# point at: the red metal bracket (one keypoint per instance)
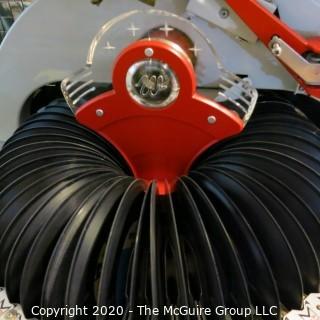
(159, 143)
(266, 25)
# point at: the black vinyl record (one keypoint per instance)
(241, 230)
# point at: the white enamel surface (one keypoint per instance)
(49, 41)
(301, 15)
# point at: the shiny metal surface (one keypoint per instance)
(152, 83)
(307, 71)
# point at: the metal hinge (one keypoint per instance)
(308, 71)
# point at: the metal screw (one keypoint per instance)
(224, 13)
(212, 119)
(276, 49)
(99, 113)
(148, 52)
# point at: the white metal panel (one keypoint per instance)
(301, 15)
(242, 57)
(212, 12)
(50, 41)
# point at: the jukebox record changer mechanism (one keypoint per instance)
(155, 77)
(163, 180)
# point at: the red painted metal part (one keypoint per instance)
(266, 25)
(159, 143)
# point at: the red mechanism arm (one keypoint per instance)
(266, 25)
(158, 143)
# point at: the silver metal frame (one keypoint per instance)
(307, 71)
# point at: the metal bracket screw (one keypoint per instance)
(224, 13)
(99, 113)
(212, 119)
(148, 52)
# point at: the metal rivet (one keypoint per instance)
(276, 49)
(224, 13)
(99, 113)
(212, 119)
(148, 52)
